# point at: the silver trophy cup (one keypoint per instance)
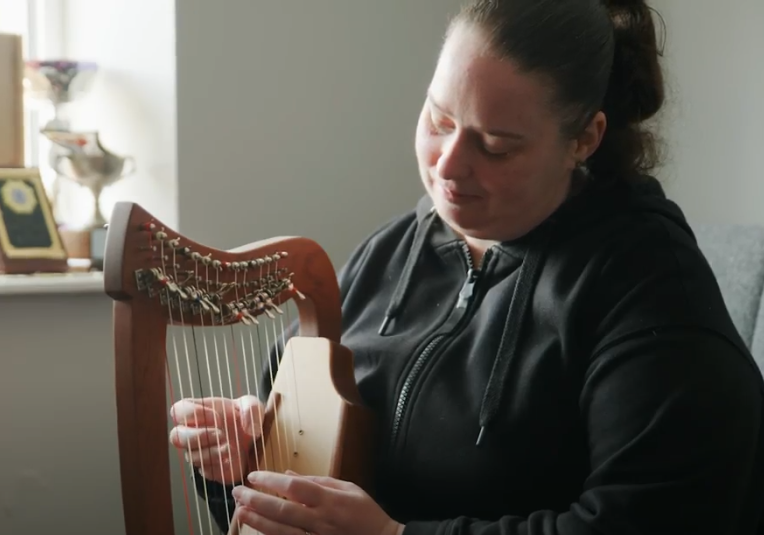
(86, 162)
(82, 159)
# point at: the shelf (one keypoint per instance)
(53, 283)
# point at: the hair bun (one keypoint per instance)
(628, 13)
(636, 80)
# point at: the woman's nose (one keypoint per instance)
(453, 163)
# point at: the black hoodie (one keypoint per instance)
(585, 379)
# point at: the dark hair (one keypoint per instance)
(598, 55)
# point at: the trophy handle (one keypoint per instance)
(55, 161)
(129, 166)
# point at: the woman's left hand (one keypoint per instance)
(313, 505)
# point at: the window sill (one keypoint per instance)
(53, 283)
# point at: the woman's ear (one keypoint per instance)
(589, 140)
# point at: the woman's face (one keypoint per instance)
(488, 144)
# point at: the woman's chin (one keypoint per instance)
(464, 219)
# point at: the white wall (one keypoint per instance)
(715, 116)
(59, 462)
(133, 100)
(299, 117)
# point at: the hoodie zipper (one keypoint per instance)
(466, 294)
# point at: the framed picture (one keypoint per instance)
(29, 238)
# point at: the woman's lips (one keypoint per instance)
(455, 196)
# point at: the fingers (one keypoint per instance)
(216, 463)
(251, 413)
(219, 468)
(204, 446)
(262, 524)
(328, 482)
(245, 412)
(212, 455)
(192, 412)
(263, 509)
(196, 437)
(298, 489)
(228, 405)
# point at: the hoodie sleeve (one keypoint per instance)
(219, 498)
(673, 419)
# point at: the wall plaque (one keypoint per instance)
(29, 238)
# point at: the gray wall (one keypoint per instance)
(299, 117)
(59, 469)
(714, 120)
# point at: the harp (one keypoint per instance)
(191, 321)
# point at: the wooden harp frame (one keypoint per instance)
(136, 277)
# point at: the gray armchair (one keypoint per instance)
(736, 255)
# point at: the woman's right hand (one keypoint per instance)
(217, 435)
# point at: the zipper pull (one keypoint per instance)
(468, 289)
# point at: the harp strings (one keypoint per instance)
(291, 386)
(282, 448)
(182, 396)
(226, 427)
(236, 370)
(275, 335)
(211, 394)
(294, 390)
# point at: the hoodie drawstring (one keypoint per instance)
(401, 291)
(516, 317)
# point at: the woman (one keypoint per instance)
(542, 339)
